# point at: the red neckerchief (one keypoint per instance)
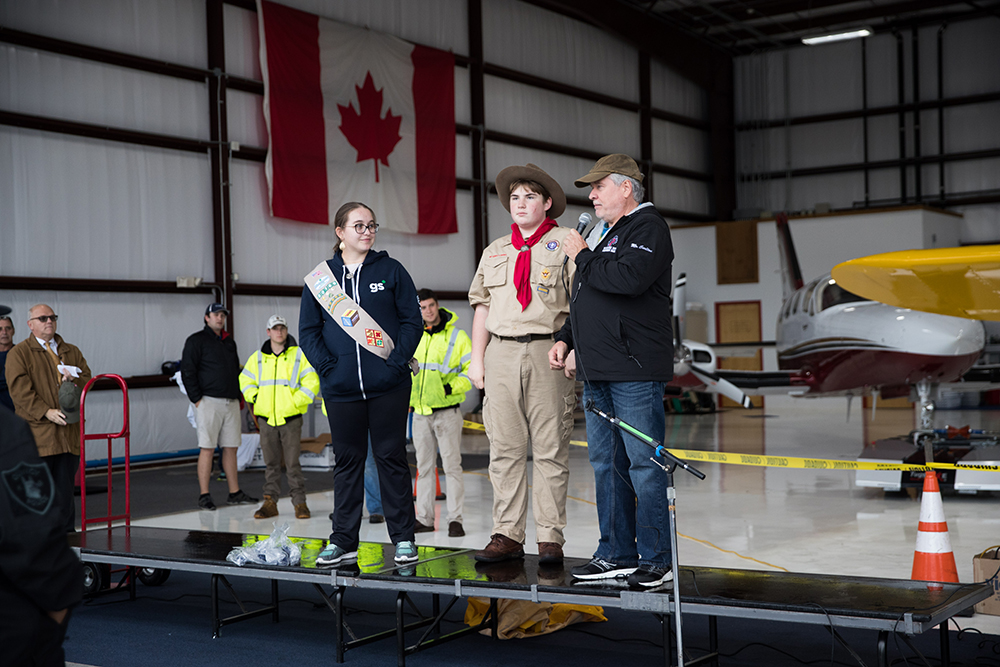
(522, 267)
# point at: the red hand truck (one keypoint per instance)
(97, 576)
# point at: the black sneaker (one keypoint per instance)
(205, 502)
(240, 498)
(649, 576)
(598, 568)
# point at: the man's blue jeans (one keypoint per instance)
(631, 489)
(373, 495)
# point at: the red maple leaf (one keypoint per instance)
(373, 136)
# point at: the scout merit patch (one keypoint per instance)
(350, 317)
(374, 338)
(542, 289)
(546, 274)
(552, 245)
(30, 486)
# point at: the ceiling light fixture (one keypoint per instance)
(837, 36)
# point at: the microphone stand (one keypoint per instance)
(672, 463)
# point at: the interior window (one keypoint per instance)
(808, 298)
(834, 295)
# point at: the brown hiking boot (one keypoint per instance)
(549, 552)
(302, 511)
(268, 509)
(499, 549)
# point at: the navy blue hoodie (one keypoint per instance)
(346, 372)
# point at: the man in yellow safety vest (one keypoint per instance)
(281, 384)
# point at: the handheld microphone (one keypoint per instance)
(585, 219)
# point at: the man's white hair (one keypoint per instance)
(637, 190)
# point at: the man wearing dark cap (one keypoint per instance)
(210, 370)
(519, 302)
(45, 375)
(620, 328)
(40, 577)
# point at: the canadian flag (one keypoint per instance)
(356, 115)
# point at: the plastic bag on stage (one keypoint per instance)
(275, 550)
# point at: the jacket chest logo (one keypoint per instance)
(611, 246)
(30, 486)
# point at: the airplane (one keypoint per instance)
(831, 342)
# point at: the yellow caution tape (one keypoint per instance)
(767, 461)
(476, 426)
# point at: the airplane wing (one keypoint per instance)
(766, 382)
(961, 282)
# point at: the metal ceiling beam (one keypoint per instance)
(685, 53)
(760, 10)
(820, 22)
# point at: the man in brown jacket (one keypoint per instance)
(36, 367)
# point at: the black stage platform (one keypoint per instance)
(885, 606)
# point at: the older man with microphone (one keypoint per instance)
(620, 329)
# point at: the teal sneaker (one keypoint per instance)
(333, 554)
(406, 552)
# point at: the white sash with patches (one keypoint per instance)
(351, 317)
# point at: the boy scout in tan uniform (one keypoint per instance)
(518, 306)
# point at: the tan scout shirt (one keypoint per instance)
(494, 286)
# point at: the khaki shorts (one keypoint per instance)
(218, 422)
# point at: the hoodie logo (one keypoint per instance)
(376, 287)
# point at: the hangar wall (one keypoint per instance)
(871, 122)
(78, 207)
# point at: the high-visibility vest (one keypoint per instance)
(279, 386)
(444, 358)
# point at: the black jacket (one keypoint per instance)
(210, 366)
(346, 372)
(620, 316)
(38, 570)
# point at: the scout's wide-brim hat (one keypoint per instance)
(531, 172)
(616, 163)
(69, 401)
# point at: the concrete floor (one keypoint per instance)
(743, 517)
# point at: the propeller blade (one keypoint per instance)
(722, 386)
(679, 306)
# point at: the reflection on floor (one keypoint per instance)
(815, 521)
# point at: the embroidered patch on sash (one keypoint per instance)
(30, 486)
(374, 338)
(350, 317)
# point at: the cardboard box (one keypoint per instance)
(316, 454)
(985, 566)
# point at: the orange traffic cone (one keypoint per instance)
(933, 559)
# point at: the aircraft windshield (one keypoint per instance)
(834, 295)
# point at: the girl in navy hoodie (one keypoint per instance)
(363, 392)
